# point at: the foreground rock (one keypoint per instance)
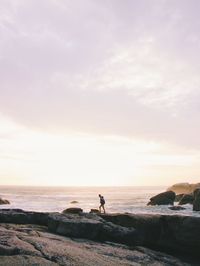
(196, 202)
(34, 245)
(184, 188)
(171, 233)
(165, 198)
(106, 239)
(3, 201)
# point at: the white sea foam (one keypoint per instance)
(118, 199)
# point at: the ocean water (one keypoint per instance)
(56, 199)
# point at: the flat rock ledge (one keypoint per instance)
(34, 238)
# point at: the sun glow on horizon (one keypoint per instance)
(31, 157)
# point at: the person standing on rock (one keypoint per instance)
(102, 203)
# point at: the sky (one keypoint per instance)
(99, 92)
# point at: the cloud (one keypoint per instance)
(128, 69)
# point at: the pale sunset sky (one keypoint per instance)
(99, 92)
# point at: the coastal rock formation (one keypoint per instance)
(184, 188)
(170, 233)
(186, 199)
(73, 210)
(165, 198)
(3, 201)
(196, 202)
(104, 239)
(33, 245)
(92, 227)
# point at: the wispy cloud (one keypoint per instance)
(125, 68)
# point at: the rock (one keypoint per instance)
(73, 210)
(179, 197)
(19, 216)
(196, 202)
(184, 188)
(91, 227)
(94, 211)
(186, 199)
(3, 201)
(47, 249)
(170, 233)
(165, 198)
(176, 208)
(74, 202)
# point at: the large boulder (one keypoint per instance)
(3, 201)
(196, 202)
(165, 198)
(186, 199)
(184, 188)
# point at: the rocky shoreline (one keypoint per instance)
(33, 238)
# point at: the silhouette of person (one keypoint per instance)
(102, 203)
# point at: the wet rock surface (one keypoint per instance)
(90, 239)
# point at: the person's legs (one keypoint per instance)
(100, 208)
(103, 208)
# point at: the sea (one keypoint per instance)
(57, 199)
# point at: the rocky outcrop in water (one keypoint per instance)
(165, 198)
(32, 238)
(196, 202)
(184, 188)
(186, 199)
(3, 201)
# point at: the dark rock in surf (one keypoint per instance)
(186, 199)
(196, 202)
(74, 202)
(165, 198)
(3, 201)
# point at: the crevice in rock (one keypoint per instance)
(36, 247)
